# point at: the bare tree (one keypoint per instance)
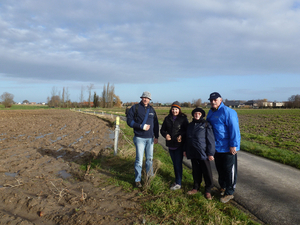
(53, 93)
(104, 96)
(81, 98)
(67, 98)
(54, 101)
(90, 87)
(63, 97)
(197, 103)
(108, 96)
(294, 101)
(7, 99)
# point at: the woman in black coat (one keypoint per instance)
(200, 148)
(173, 130)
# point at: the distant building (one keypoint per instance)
(234, 103)
(278, 104)
(252, 103)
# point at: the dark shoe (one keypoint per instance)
(222, 191)
(192, 192)
(208, 196)
(138, 184)
(226, 198)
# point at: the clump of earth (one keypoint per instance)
(40, 179)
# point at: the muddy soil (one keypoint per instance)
(40, 180)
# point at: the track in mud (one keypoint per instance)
(40, 180)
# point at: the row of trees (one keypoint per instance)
(294, 102)
(108, 98)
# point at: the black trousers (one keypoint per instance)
(202, 168)
(226, 165)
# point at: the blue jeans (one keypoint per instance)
(177, 156)
(143, 145)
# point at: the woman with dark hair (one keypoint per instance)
(173, 130)
(200, 148)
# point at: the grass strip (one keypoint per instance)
(159, 203)
(277, 154)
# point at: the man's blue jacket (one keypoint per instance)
(137, 124)
(225, 124)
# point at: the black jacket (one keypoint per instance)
(174, 129)
(200, 140)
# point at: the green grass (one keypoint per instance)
(283, 156)
(161, 205)
(23, 107)
(277, 131)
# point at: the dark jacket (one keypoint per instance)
(200, 140)
(174, 129)
(137, 123)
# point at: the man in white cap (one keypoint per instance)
(142, 118)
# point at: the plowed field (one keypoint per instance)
(40, 179)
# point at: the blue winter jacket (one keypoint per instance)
(225, 124)
(200, 141)
(137, 124)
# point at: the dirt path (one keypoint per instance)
(40, 179)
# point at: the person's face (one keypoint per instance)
(175, 111)
(215, 103)
(197, 115)
(145, 101)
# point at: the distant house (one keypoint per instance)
(234, 103)
(86, 104)
(278, 104)
(252, 103)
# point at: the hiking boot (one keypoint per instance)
(138, 184)
(192, 192)
(226, 198)
(175, 187)
(208, 196)
(222, 191)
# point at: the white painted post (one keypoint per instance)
(116, 135)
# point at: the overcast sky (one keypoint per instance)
(177, 50)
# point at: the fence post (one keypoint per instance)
(116, 135)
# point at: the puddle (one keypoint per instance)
(59, 149)
(60, 156)
(63, 127)
(111, 134)
(63, 174)
(82, 153)
(38, 137)
(109, 146)
(88, 132)
(11, 174)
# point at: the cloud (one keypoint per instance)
(147, 41)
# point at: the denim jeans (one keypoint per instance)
(177, 156)
(143, 145)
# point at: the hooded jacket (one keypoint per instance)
(200, 141)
